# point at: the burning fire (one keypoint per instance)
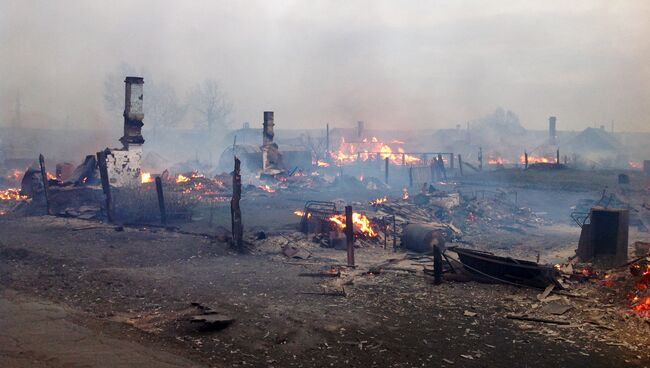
(321, 163)
(377, 201)
(405, 194)
(266, 188)
(146, 177)
(182, 178)
(372, 149)
(51, 176)
(301, 213)
(498, 161)
(15, 175)
(635, 164)
(12, 194)
(360, 223)
(641, 303)
(536, 159)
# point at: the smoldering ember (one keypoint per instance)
(217, 229)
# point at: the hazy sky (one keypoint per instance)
(390, 63)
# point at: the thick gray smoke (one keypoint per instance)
(393, 64)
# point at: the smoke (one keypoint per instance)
(391, 64)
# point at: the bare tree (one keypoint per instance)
(211, 105)
(315, 145)
(162, 107)
(114, 88)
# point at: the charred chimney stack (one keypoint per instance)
(552, 133)
(133, 112)
(271, 157)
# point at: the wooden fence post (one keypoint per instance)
(106, 185)
(349, 234)
(46, 186)
(235, 210)
(161, 201)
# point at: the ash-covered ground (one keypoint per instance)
(87, 293)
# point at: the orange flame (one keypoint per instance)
(301, 213)
(372, 149)
(321, 163)
(12, 194)
(536, 159)
(266, 188)
(405, 194)
(360, 223)
(15, 175)
(498, 161)
(146, 177)
(377, 201)
(635, 164)
(182, 178)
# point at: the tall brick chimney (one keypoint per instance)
(552, 133)
(133, 111)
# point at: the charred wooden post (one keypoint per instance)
(46, 186)
(386, 170)
(403, 159)
(460, 164)
(327, 143)
(441, 166)
(106, 185)
(525, 160)
(423, 238)
(161, 201)
(349, 235)
(552, 133)
(437, 266)
(235, 210)
(557, 157)
(394, 234)
(411, 177)
(480, 158)
(451, 161)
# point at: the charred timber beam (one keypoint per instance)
(46, 186)
(235, 210)
(386, 170)
(161, 201)
(441, 166)
(349, 235)
(327, 143)
(460, 164)
(525, 160)
(106, 186)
